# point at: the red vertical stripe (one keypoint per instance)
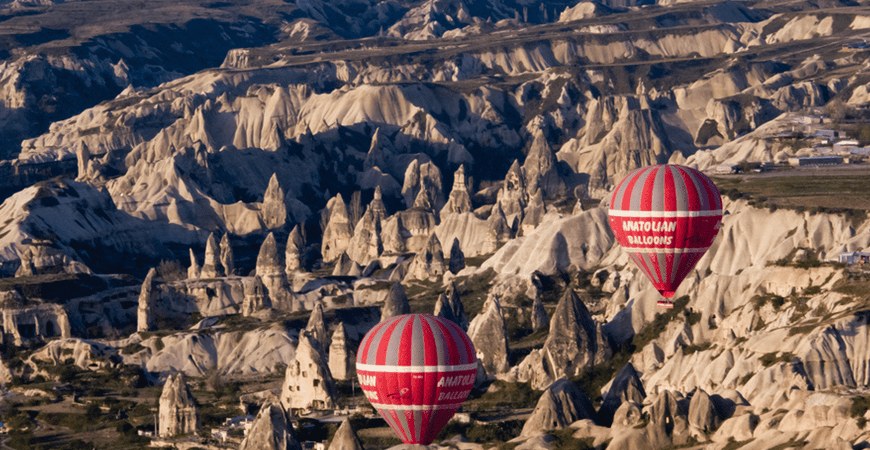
(626, 196)
(381, 356)
(649, 185)
(452, 351)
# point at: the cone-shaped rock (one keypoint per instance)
(499, 228)
(227, 259)
(559, 406)
(626, 387)
(455, 302)
(539, 314)
(540, 168)
(533, 215)
(268, 262)
(293, 252)
(426, 177)
(428, 264)
(274, 209)
(379, 210)
(396, 303)
(513, 195)
(338, 231)
(211, 266)
(488, 332)
(572, 346)
(366, 244)
(193, 270)
(177, 410)
(307, 382)
(346, 267)
(460, 200)
(145, 311)
(668, 420)
(442, 308)
(342, 360)
(271, 430)
(345, 438)
(457, 258)
(317, 326)
(703, 414)
(255, 296)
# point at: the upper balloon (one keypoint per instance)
(665, 217)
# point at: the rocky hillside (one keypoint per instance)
(207, 205)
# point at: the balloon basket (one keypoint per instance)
(665, 304)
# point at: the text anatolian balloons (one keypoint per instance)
(416, 370)
(665, 217)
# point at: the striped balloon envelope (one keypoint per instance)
(416, 370)
(665, 217)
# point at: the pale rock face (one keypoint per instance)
(575, 344)
(193, 270)
(145, 313)
(396, 303)
(424, 177)
(317, 327)
(457, 258)
(704, 417)
(534, 213)
(540, 318)
(308, 384)
(488, 332)
(394, 234)
(513, 196)
(345, 438)
(178, 413)
(417, 226)
(274, 209)
(227, 258)
(429, 263)
(668, 420)
(270, 269)
(293, 252)
(626, 387)
(346, 267)
(561, 404)
(342, 360)
(338, 231)
(540, 169)
(256, 299)
(366, 244)
(44, 320)
(85, 354)
(459, 201)
(271, 430)
(499, 229)
(211, 266)
(449, 306)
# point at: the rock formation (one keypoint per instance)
(626, 387)
(211, 266)
(178, 412)
(255, 296)
(293, 253)
(342, 360)
(338, 231)
(270, 269)
(345, 438)
(316, 327)
(145, 311)
(193, 269)
(668, 420)
(366, 243)
(703, 415)
(457, 258)
(307, 383)
(459, 201)
(449, 306)
(227, 259)
(561, 404)
(274, 208)
(575, 343)
(488, 332)
(540, 168)
(429, 263)
(540, 318)
(424, 177)
(499, 229)
(396, 303)
(271, 430)
(513, 196)
(346, 267)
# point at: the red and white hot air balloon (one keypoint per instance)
(665, 217)
(416, 370)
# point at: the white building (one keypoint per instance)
(850, 258)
